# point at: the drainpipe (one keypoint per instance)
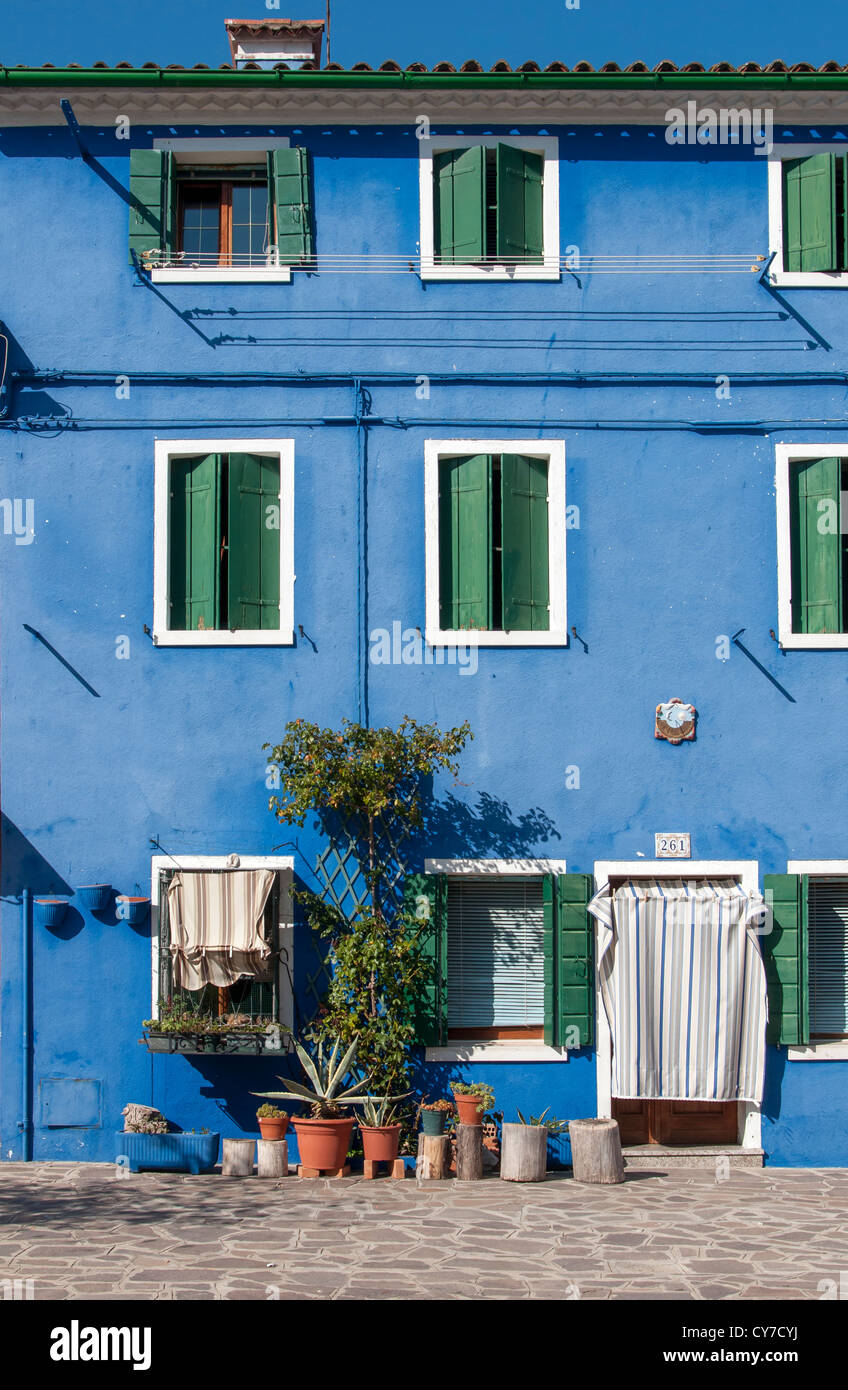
(25, 1124)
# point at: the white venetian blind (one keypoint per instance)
(828, 954)
(495, 952)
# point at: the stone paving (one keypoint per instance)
(80, 1232)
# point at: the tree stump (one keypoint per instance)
(524, 1153)
(272, 1158)
(469, 1152)
(237, 1161)
(432, 1161)
(596, 1151)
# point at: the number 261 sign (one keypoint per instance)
(672, 847)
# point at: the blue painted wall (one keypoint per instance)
(676, 547)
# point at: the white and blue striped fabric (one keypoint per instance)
(684, 989)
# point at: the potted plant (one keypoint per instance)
(434, 1116)
(379, 1129)
(323, 1138)
(149, 1142)
(524, 1151)
(273, 1122)
(472, 1100)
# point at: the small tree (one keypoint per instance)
(370, 782)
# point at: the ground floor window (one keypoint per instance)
(496, 961)
(827, 918)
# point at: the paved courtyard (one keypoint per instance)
(79, 1232)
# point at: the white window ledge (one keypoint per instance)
(490, 1050)
(436, 270)
(809, 279)
(215, 637)
(222, 275)
(477, 637)
(819, 1052)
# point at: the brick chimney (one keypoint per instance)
(270, 41)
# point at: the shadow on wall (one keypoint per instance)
(23, 866)
(17, 400)
(488, 828)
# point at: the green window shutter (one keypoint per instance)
(525, 565)
(816, 546)
(786, 959)
(253, 543)
(809, 212)
(465, 542)
(459, 213)
(151, 202)
(574, 949)
(194, 543)
(425, 897)
(290, 196)
(520, 226)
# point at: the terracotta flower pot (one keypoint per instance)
(466, 1109)
(380, 1142)
(273, 1126)
(323, 1143)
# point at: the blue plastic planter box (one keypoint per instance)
(168, 1153)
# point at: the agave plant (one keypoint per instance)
(326, 1075)
(377, 1116)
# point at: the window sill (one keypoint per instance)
(814, 641)
(819, 1052)
(490, 1050)
(474, 637)
(809, 279)
(430, 270)
(222, 275)
(245, 638)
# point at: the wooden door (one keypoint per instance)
(677, 1122)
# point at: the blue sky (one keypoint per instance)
(191, 31)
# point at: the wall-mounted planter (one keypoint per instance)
(214, 1044)
(50, 912)
(168, 1153)
(95, 896)
(132, 910)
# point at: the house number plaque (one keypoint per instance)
(672, 847)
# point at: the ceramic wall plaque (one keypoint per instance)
(675, 721)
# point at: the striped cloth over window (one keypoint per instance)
(216, 926)
(684, 989)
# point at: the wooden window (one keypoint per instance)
(827, 931)
(488, 206)
(493, 543)
(511, 958)
(818, 545)
(224, 542)
(815, 226)
(256, 998)
(225, 216)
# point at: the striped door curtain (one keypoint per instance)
(216, 926)
(684, 989)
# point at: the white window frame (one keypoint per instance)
(281, 864)
(545, 145)
(748, 875)
(786, 455)
(819, 1051)
(493, 1049)
(553, 451)
(163, 636)
(777, 274)
(186, 150)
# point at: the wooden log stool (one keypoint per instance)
(237, 1160)
(524, 1153)
(272, 1158)
(469, 1153)
(433, 1152)
(596, 1151)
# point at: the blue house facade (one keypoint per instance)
(515, 397)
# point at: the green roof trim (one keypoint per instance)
(834, 79)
